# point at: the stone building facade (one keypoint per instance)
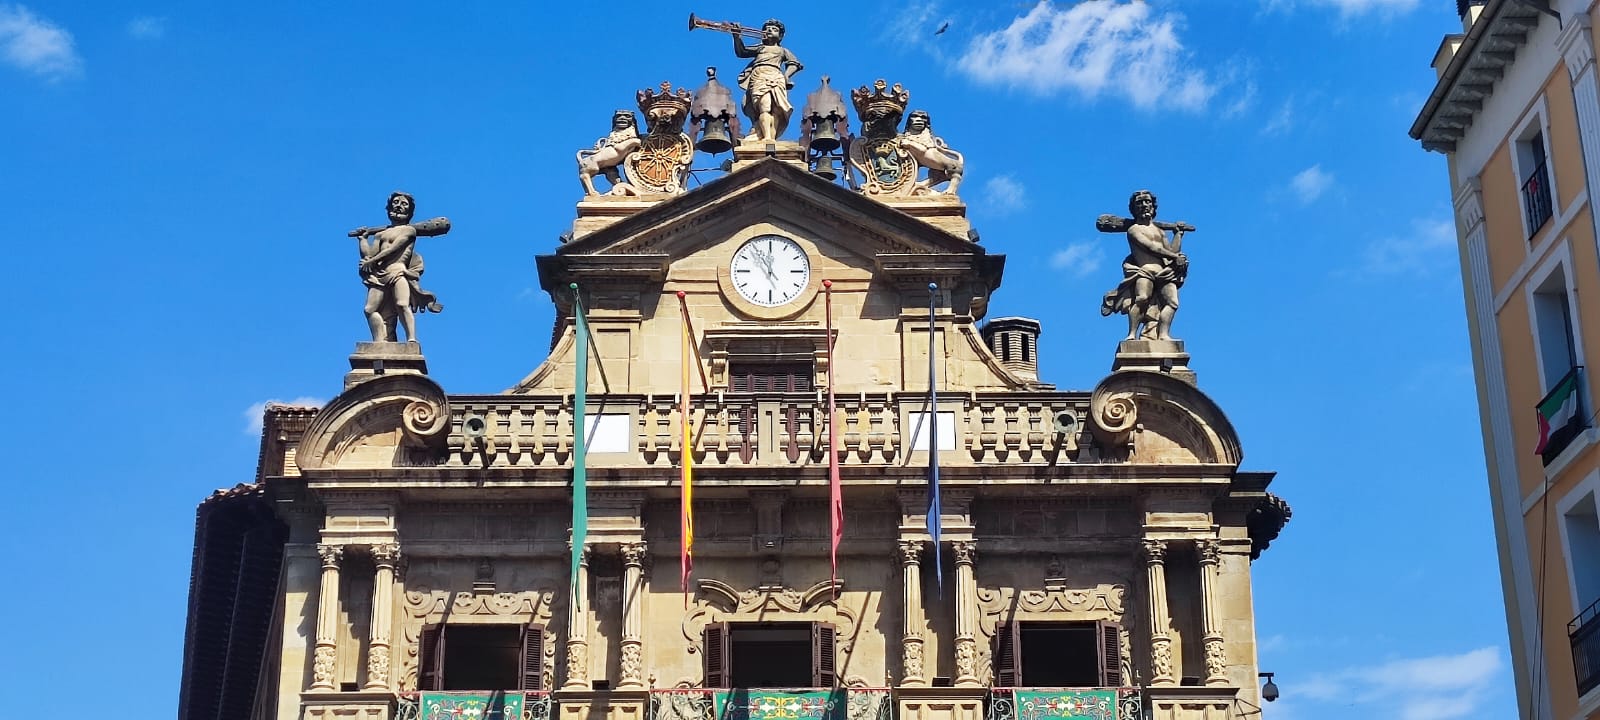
(1095, 545)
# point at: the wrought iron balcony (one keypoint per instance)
(1584, 631)
(1561, 436)
(1536, 199)
(1046, 703)
(481, 705)
(772, 704)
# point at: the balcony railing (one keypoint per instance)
(1536, 199)
(1047, 703)
(775, 429)
(772, 704)
(1584, 631)
(479, 705)
(1561, 436)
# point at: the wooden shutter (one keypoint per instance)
(716, 655)
(1008, 655)
(1110, 654)
(824, 663)
(430, 658)
(532, 659)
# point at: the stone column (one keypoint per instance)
(1155, 553)
(910, 554)
(1216, 657)
(325, 659)
(633, 556)
(384, 557)
(578, 629)
(966, 613)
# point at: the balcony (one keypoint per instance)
(766, 429)
(772, 704)
(1041, 703)
(479, 705)
(1564, 430)
(1584, 631)
(1536, 203)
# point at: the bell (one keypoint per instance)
(824, 138)
(822, 166)
(714, 137)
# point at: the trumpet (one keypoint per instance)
(727, 27)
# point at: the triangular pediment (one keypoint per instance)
(770, 191)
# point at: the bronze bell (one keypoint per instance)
(822, 166)
(824, 137)
(714, 137)
(714, 115)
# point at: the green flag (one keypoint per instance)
(580, 479)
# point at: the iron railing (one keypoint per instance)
(1584, 631)
(535, 705)
(772, 703)
(1561, 436)
(1045, 703)
(1536, 199)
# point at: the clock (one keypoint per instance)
(770, 271)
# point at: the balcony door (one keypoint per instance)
(769, 655)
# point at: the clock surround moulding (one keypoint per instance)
(794, 307)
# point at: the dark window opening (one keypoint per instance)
(1537, 204)
(480, 657)
(769, 377)
(769, 655)
(1058, 654)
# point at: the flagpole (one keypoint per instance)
(835, 490)
(580, 470)
(935, 512)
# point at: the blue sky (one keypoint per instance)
(177, 179)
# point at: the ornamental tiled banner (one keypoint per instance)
(1052, 704)
(498, 705)
(759, 704)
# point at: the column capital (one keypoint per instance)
(966, 551)
(331, 555)
(386, 554)
(909, 552)
(1210, 550)
(1577, 45)
(1155, 551)
(634, 553)
(1469, 205)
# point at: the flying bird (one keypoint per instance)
(942, 28)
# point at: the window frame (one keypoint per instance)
(432, 648)
(1007, 650)
(717, 652)
(1535, 122)
(1559, 260)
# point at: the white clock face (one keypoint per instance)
(770, 270)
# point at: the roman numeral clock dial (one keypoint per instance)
(770, 270)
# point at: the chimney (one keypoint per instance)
(1469, 10)
(1015, 340)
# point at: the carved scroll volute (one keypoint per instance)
(425, 423)
(1113, 416)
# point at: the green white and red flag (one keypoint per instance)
(1557, 409)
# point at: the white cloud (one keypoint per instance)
(1079, 258)
(1440, 687)
(147, 28)
(1348, 8)
(1092, 48)
(1310, 183)
(36, 45)
(1422, 250)
(256, 413)
(1003, 194)
(1282, 120)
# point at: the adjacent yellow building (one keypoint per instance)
(1516, 113)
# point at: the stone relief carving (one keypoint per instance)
(1161, 658)
(1143, 416)
(1216, 660)
(717, 601)
(966, 657)
(930, 151)
(660, 165)
(378, 663)
(885, 166)
(1101, 602)
(425, 606)
(632, 663)
(608, 154)
(911, 658)
(322, 666)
